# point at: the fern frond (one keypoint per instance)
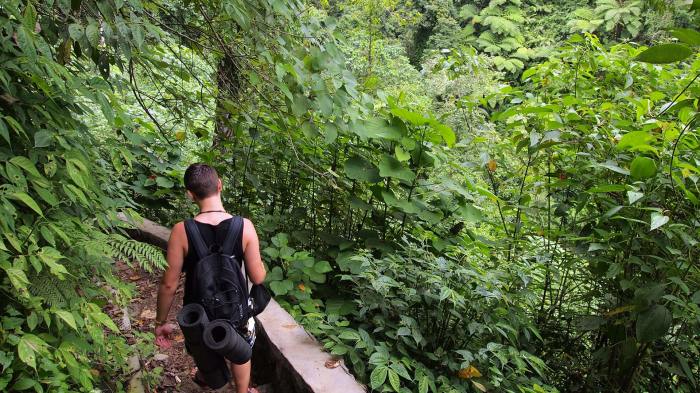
(468, 11)
(115, 246)
(149, 257)
(55, 292)
(501, 25)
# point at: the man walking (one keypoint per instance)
(204, 188)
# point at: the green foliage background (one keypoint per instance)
(453, 196)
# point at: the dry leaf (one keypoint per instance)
(290, 326)
(301, 287)
(148, 314)
(178, 338)
(479, 386)
(332, 363)
(134, 278)
(491, 165)
(469, 372)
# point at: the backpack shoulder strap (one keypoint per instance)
(193, 233)
(233, 235)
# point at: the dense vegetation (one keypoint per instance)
(453, 196)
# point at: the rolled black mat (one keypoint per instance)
(222, 338)
(212, 366)
(192, 320)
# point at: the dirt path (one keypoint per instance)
(176, 364)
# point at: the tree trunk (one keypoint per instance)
(228, 81)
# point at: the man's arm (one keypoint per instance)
(171, 277)
(251, 254)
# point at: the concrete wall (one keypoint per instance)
(285, 355)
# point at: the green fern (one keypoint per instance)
(55, 292)
(116, 246)
(149, 257)
(500, 25)
(508, 64)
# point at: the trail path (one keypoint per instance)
(177, 365)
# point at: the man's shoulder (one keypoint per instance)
(178, 227)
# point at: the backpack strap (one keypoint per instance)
(193, 233)
(233, 236)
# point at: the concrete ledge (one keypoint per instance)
(285, 355)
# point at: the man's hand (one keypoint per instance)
(163, 335)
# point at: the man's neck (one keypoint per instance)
(212, 203)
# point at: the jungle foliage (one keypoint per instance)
(452, 196)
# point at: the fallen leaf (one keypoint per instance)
(479, 386)
(148, 314)
(179, 338)
(290, 326)
(301, 287)
(134, 278)
(332, 363)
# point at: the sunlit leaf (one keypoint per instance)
(642, 168)
(657, 220)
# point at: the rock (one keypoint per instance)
(160, 357)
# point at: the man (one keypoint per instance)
(204, 188)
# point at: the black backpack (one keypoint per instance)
(219, 283)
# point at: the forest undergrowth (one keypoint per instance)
(453, 196)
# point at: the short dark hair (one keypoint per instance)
(201, 180)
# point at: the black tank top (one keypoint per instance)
(212, 234)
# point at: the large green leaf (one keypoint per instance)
(665, 53)
(27, 348)
(394, 380)
(635, 140)
(17, 278)
(378, 376)
(642, 168)
(377, 128)
(688, 36)
(391, 167)
(470, 213)
(445, 132)
(281, 287)
(408, 116)
(26, 164)
(27, 200)
(357, 168)
(653, 323)
(67, 317)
